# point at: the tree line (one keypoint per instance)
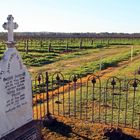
(27, 35)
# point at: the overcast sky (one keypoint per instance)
(73, 15)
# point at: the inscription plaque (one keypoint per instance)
(30, 131)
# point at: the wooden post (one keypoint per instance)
(81, 42)
(41, 43)
(27, 46)
(49, 47)
(67, 47)
(92, 42)
(132, 48)
(100, 62)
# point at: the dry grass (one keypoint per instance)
(68, 128)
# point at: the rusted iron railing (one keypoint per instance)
(109, 100)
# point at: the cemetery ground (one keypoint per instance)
(86, 61)
(68, 128)
(113, 60)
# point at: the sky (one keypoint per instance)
(73, 15)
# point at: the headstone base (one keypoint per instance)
(30, 131)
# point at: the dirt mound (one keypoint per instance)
(117, 134)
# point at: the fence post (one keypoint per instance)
(75, 80)
(81, 44)
(67, 47)
(27, 46)
(49, 47)
(134, 96)
(47, 94)
(49, 119)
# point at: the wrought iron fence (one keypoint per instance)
(109, 100)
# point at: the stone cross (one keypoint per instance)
(10, 26)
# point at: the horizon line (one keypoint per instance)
(71, 32)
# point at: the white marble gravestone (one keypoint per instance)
(15, 87)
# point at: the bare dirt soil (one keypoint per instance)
(69, 128)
